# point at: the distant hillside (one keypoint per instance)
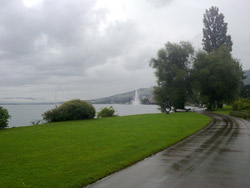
(143, 93)
(247, 80)
(125, 98)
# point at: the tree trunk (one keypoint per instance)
(210, 106)
(220, 104)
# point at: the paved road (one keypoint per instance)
(218, 156)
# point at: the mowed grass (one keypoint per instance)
(76, 153)
(225, 110)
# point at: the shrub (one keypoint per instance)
(106, 112)
(36, 122)
(4, 117)
(242, 104)
(71, 110)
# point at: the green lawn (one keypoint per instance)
(73, 154)
(225, 110)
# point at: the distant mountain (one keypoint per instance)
(247, 80)
(125, 98)
(145, 94)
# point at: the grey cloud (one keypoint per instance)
(60, 45)
(57, 43)
(159, 3)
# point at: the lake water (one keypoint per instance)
(23, 115)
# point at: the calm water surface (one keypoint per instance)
(23, 115)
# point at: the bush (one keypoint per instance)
(4, 117)
(36, 122)
(242, 104)
(71, 110)
(106, 112)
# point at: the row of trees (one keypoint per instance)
(210, 76)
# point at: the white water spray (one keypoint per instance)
(136, 100)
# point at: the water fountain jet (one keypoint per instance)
(136, 100)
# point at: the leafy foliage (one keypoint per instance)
(215, 31)
(4, 117)
(217, 76)
(71, 110)
(106, 112)
(36, 122)
(241, 108)
(172, 70)
(241, 104)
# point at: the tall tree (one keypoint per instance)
(218, 77)
(215, 31)
(172, 72)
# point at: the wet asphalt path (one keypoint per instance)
(217, 156)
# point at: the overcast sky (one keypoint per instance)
(90, 49)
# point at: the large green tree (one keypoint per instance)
(218, 77)
(215, 31)
(172, 71)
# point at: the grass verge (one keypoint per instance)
(76, 153)
(240, 114)
(225, 110)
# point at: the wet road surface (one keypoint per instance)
(217, 156)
